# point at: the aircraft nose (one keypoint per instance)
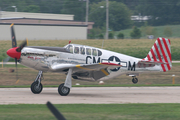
(13, 53)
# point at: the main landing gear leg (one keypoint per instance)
(64, 88)
(36, 86)
(134, 80)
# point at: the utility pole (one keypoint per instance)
(87, 11)
(107, 18)
(0, 14)
(107, 21)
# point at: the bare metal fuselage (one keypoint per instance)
(44, 58)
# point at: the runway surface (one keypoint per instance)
(92, 95)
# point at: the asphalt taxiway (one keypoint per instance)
(92, 95)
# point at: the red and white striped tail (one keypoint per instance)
(161, 52)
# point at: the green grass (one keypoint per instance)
(92, 112)
(159, 31)
(133, 47)
(12, 65)
(27, 76)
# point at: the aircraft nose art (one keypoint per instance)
(13, 53)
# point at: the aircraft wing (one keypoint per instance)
(97, 66)
(84, 67)
(95, 71)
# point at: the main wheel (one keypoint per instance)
(134, 80)
(35, 88)
(62, 90)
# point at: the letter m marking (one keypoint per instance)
(132, 68)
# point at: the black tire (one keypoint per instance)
(75, 77)
(62, 90)
(35, 89)
(134, 80)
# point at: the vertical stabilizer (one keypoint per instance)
(161, 52)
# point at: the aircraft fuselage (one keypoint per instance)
(42, 58)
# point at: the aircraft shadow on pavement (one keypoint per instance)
(83, 94)
(72, 94)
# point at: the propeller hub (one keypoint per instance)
(13, 53)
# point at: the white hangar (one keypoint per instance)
(41, 26)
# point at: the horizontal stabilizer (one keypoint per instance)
(152, 62)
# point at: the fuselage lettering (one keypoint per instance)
(132, 68)
(89, 60)
(94, 60)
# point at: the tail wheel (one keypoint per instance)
(35, 88)
(134, 80)
(62, 90)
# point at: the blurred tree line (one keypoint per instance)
(160, 12)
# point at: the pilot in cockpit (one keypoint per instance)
(82, 50)
(76, 50)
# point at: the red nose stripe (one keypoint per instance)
(13, 53)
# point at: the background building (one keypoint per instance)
(41, 26)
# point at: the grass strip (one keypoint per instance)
(159, 111)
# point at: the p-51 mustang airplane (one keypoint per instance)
(87, 63)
